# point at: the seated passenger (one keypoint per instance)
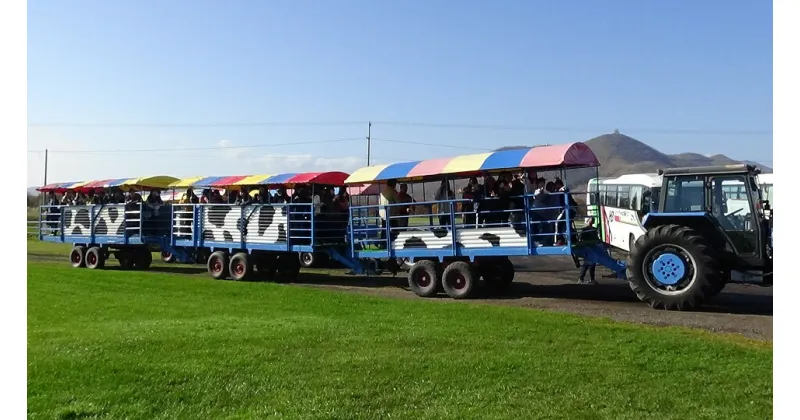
(190, 197)
(216, 198)
(488, 203)
(233, 197)
(118, 197)
(80, 199)
(281, 196)
(244, 197)
(404, 211)
(263, 195)
(66, 199)
(93, 198)
(472, 191)
(133, 197)
(539, 213)
(442, 194)
(154, 198)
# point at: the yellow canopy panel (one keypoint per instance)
(159, 181)
(253, 179)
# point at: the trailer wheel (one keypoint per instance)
(77, 256)
(167, 257)
(498, 275)
(307, 259)
(218, 265)
(458, 280)
(288, 267)
(672, 267)
(424, 279)
(126, 259)
(142, 259)
(240, 266)
(266, 266)
(95, 258)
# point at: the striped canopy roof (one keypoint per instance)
(156, 182)
(572, 155)
(56, 187)
(252, 179)
(227, 181)
(326, 178)
(195, 181)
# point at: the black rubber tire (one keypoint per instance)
(428, 272)
(167, 257)
(77, 257)
(307, 259)
(240, 266)
(217, 265)
(631, 242)
(266, 266)
(458, 280)
(126, 259)
(142, 259)
(497, 275)
(287, 268)
(95, 258)
(706, 271)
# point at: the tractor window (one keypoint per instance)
(734, 212)
(684, 194)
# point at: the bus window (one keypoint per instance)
(624, 196)
(611, 196)
(636, 197)
(766, 192)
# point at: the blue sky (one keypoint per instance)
(679, 75)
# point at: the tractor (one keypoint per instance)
(708, 226)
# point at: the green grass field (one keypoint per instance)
(149, 345)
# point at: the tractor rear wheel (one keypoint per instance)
(673, 267)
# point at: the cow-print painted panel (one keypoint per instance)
(220, 223)
(109, 220)
(466, 238)
(267, 224)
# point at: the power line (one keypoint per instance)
(188, 124)
(185, 149)
(419, 124)
(432, 144)
(572, 129)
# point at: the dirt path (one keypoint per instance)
(549, 283)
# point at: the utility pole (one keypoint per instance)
(45, 167)
(41, 196)
(369, 140)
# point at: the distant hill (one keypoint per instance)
(620, 154)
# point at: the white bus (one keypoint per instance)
(621, 203)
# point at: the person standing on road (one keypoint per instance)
(588, 234)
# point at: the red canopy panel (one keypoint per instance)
(325, 178)
(573, 154)
(228, 181)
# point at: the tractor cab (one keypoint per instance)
(722, 202)
(708, 227)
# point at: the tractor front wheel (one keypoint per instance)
(672, 267)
